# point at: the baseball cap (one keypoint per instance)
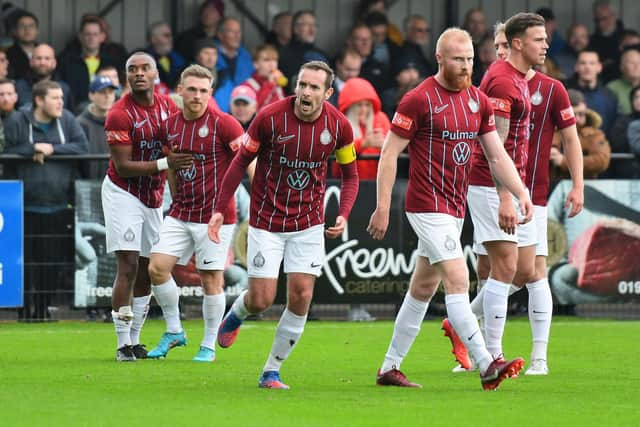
(244, 93)
(101, 82)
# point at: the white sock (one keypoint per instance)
(476, 304)
(495, 314)
(167, 297)
(405, 331)
(288, 333)
(540, 313)
(212, 312)
(140, 310)
(466, 326)
(238, 306)
(122, 323)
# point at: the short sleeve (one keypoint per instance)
(117, 127)
(488, 121)
(407, 117)
(502, 94)
(232, 132)
(561, 110)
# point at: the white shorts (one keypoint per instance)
(130, 225)
(483, 205)
(181, 239)
(542, 248)
(303, 252)
(438, 235)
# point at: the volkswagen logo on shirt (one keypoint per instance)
(188, 174)
(461, 153)
(298, 179)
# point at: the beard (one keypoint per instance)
(459, 81)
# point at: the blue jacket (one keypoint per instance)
(227, 81)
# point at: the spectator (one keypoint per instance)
(111, 72)
(578, 39)
(234, 61)
(417, 32)
(43, 66)
(554, 39)
(598, 98)
(360, 103)
(8, 98)
(595, 147)
(485, 56)
(4, 64)
(37, 133)
(267, 81)
(348, 64)
(475, 22)
(630, 69)
(280, 34)
(407, 77)
(25, 36)
(206, 55)
(377, 73)
(209, 16)
(606, 38)
(244, 105)
(365, 7)
(302, 46)
(102, 94)
(170, 62)
(80, 61)
(622, 134)
(384, 50)
(116, 51)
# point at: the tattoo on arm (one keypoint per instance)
(502, 127)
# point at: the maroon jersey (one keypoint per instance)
(508, 93)
(550, 110)
(131, 124)
(443, 127)
(213, 140)
(287, 193)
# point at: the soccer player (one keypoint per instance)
(132, 196)
(493, 211)
(212, 137)
(292, 140)
(440, 122)
(550, 110)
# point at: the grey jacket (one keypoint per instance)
(93, 128)
(50, 185)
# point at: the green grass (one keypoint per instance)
(64, 374)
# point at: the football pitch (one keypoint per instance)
(65, 374)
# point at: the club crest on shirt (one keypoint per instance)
(258, 260)
(536, 98)
(325, 137)
(203, 131)
(450, 244)
(473, 105)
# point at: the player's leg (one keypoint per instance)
(124, 216)
(423, 285)
(455, 279)
(210, 260)
(174, 244)
(303, 259)
(540, 314)
(265, 251)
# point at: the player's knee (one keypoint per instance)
(157, 273)
(504, 270)
(259, 303)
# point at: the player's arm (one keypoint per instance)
(173, 183)
(507, 215)
(346, 158)
(572, 150)
(504, 170)
(387, 169)
(128, 168)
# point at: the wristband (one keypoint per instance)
(162, 164)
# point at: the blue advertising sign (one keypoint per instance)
(11, 244)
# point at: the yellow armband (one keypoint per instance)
(346, 154)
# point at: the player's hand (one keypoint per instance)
(526, 208)
(178, 161)
(336, 230)
(507, 216)
(575, 199)
(378, 224)
(214, 227)
(44, 148)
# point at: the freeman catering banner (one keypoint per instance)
(592, 258)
